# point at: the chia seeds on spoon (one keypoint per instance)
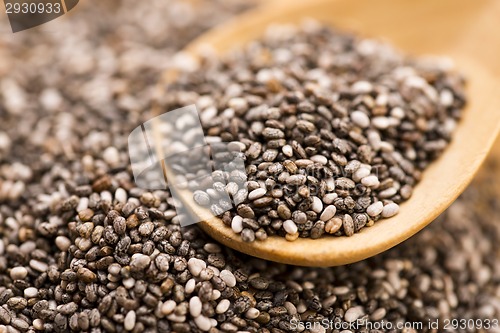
(325, 120)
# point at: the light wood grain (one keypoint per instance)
(466, 31)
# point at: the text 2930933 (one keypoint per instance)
(33, 8)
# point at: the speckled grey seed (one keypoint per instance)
(139, 262)
(247, 235)
(348, 225)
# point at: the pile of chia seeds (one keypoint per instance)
(336, 130)
(84, 250)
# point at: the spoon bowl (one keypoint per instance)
(460, 29)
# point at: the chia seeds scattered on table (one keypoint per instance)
(165, 278)
(335, 130)
(83, 249)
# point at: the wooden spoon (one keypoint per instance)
(464, 30)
